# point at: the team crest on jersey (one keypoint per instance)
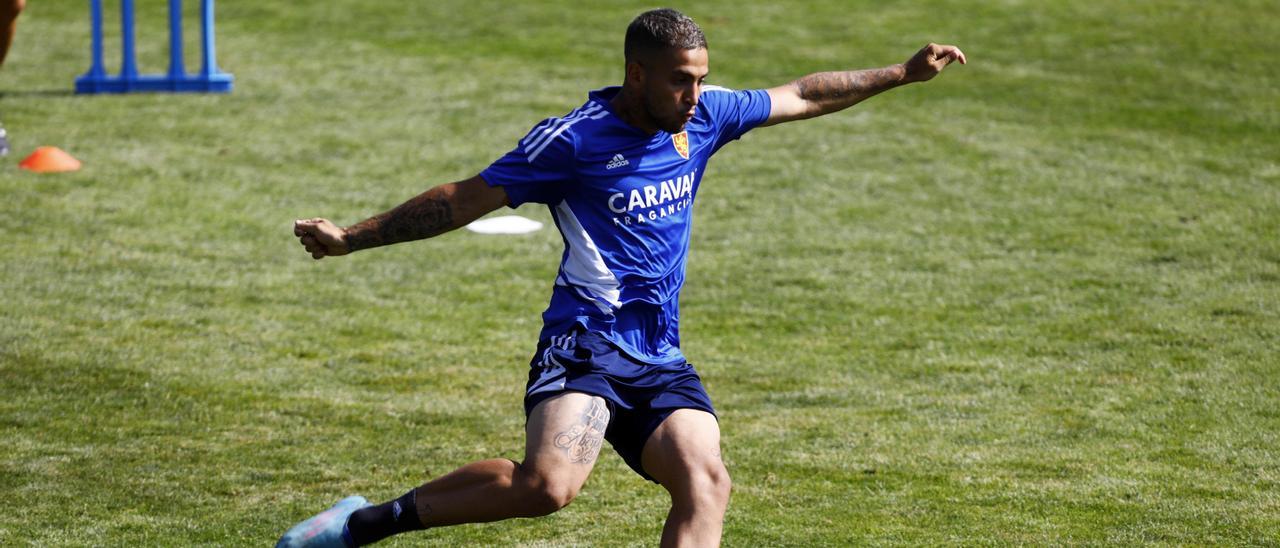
(681, 142)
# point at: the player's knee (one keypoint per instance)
(549, 498)
(706, 485)
(545, 495)
(718, 483)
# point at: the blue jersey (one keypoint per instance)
(623, 201)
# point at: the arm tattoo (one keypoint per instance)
(836, 90)
(582, 442)
(422, 217)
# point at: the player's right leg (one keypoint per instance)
(564, 435)
(683, 454)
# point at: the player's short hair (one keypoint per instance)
(658, 30)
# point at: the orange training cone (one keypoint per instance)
(49, 160)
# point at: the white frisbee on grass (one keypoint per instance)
(506, 224)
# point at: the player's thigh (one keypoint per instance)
(564, 435)
(684, 450)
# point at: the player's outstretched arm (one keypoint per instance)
(827, 92)
(431, 213)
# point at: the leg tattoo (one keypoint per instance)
(582, 441)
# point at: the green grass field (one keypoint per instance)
(1035, 301)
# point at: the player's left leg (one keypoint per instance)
(563, 439)
(683, 454)
(9, 10)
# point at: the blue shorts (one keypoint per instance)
(640, 395)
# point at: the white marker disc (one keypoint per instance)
(507, 224)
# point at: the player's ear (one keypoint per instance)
(635, 73)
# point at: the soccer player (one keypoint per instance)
(620, 175)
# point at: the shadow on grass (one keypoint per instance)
(38, 93)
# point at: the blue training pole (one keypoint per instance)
(208, 80)
(128, 61)
(208, 63)
(96, 69)
(176, 70)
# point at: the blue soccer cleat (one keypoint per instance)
(326, 529)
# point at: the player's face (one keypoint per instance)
(673, 82)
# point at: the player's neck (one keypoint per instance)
(630, 109)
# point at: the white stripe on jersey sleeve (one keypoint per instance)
(556, 128)
(711, 87)
(538, 151)
(533, 133)
(551, 125)
(584, 266)
(552, 139)
(545, 127)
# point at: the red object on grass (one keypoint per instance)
(49, 160)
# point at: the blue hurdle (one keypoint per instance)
(208, 80)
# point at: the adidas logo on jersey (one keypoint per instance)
(616, 162)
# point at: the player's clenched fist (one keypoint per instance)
(930, 60)
(321, 238)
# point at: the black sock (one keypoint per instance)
(372, 524)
